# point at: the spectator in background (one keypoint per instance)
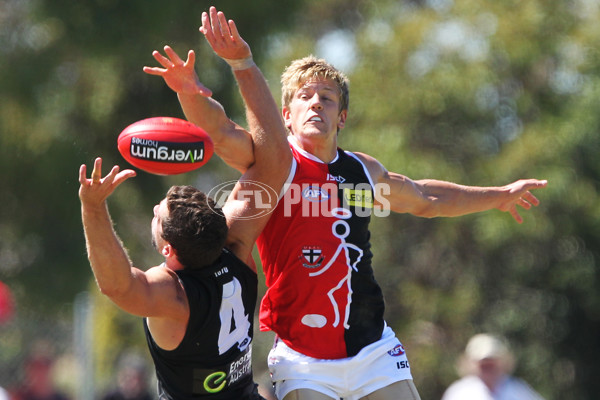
(7, 306)
(132, 380)
(486, 367)
(38, 383)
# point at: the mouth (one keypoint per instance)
(316, 118)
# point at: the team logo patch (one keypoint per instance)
(312, 257)
(397, 351)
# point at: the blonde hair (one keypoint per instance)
(311, 68)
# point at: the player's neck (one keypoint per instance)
(325, 149)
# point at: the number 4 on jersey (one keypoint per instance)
(232, 310)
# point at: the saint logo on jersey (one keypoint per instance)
(311, 257)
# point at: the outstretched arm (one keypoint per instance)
(264, 119)
(272, 155)
(151, 293)
(232, 143)
(433, 198)
(109, 260)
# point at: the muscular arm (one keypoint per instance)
(155, 293)
(272, 155)
(433, 198)
(232, 142)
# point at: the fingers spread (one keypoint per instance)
(515, 214)
(525, 204)
(97, 171)
(154, 70)
(175, 60)
(531, 198)
(191, 60)
(162, 60)
(83, 174)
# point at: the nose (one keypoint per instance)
(315, 102)
(155, 210)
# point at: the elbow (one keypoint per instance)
(431, 210)
(429, 215)
(111, 289)
(107, 290)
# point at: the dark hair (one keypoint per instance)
(196, 227)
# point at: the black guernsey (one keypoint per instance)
(213, 359)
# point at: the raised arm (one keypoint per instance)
(264, 119)
(155, 292)
(232, 142)
(272, 155)
(433, 198)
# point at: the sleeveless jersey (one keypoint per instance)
(213, 359)
(322, 299)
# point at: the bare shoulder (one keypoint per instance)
(161, 272)
(375, 168)
(166, 293)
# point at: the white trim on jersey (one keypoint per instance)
(288, 182)
(351, 154)
(294, 142)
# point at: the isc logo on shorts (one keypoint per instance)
(397, 351)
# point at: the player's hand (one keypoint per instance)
(180, 76)
(518, 194)
(223, 36)
(95, 190)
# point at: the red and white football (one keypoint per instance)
(165, 145)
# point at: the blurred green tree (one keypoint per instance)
(476, 92)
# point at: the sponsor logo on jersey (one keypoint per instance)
(315, 193)
(358, 198)
(397, 351)
(211, 381)
(311, 257)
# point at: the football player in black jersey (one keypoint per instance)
(198, 305)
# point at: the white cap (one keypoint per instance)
(484, 346)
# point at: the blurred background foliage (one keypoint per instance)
(477, 92)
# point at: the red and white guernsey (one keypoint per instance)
(322, 299)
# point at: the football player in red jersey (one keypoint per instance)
(322, 300)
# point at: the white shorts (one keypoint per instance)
(376, 366)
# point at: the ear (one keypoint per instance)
(167, 250)
(287, 118)
(342, 119)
